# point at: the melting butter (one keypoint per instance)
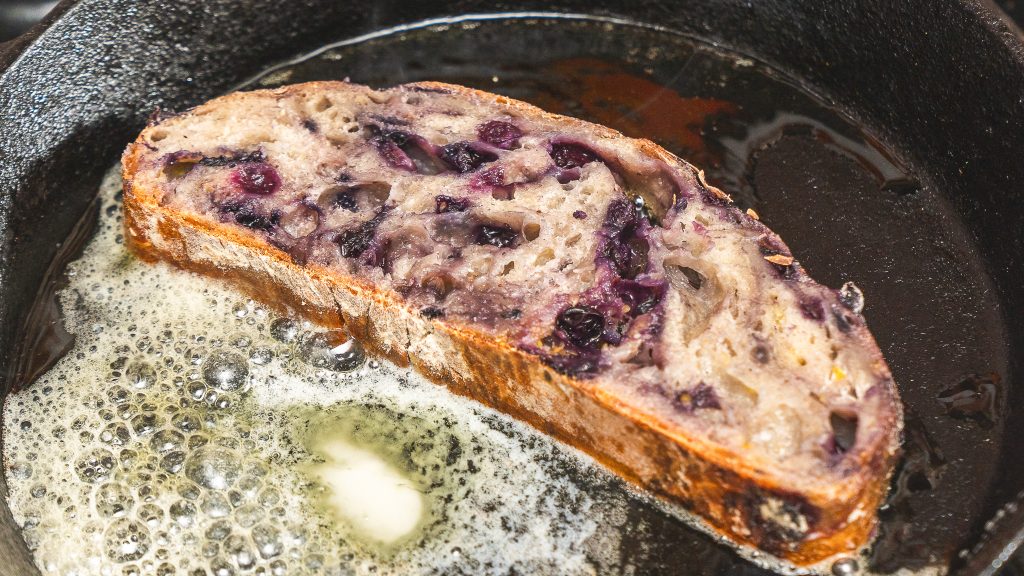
(366, 492)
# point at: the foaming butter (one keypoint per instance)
(189, 431)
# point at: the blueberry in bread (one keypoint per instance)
(590, 284)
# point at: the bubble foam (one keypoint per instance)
(184, 432)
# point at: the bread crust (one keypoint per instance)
(727, 496)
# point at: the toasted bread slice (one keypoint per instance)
(590, 284)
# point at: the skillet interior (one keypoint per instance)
(959, 131)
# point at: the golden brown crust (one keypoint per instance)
(733, 499)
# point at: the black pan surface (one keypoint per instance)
(854, 199)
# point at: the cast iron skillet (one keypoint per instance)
(940, 83)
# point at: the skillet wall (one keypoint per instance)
(74, 91)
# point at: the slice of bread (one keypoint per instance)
(590, 284)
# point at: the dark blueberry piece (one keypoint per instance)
(234, 159)
(430, 312)
(498, 133)
(629, 257)
(582, 325)
(493, 176)
(575, 365)
(640, 297)
(310, 125)
(700, 396)
(391, 120)
(681, 203)
(497, 235)
(346, 199)
(444, 204)
(354, 241)
(394, 155)
(251, 219)
(571, 155)
(260, 179)
(513, 314)
(579, 215)
(462, 157)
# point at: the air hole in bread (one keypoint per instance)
(322, 104)
(368, 196)
(683, 276)
(844, 430)
(157, 135)
(531, 231)
(503, 193)
(573, 240)
(439, 283)
(546, 255)
(413, 100)
(300, 221)
(507, 268)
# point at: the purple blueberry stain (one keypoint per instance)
(699, 397)
(463, 157)
(624, 246)
(493, 176)
(640, 297)
(259, 179)
(501, 134)
(579, 215)
(497, 235)
(812, 309)
(568, 155)
(445, 204)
